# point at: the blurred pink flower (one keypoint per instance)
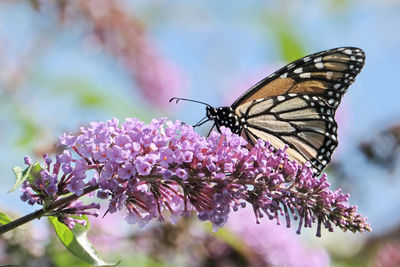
(388, 255)
(109, 232)
(120, 34)
(277, 244)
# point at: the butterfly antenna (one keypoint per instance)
(177, 99)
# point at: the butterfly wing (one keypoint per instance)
(305, 123)
(328, 74)
(295, 106)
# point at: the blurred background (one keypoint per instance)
(66, 63)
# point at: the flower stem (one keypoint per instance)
(42, 212)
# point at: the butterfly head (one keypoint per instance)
(211, 113)
(224, 116)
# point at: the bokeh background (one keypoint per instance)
(66, 63)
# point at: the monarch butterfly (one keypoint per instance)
(294, 106)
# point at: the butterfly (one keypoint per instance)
(294, 106)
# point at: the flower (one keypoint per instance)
(388, 255)
(276, 245)
(119, 33)
(175, 170)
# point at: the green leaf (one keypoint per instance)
(4, 219)
(30, 173)
(77, 243)
(285, 34)
(230, 238)
(291, 48)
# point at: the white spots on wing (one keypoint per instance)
(348, 51)
(337, 85)
(298, 70)
(291, 65)
(314, 98)
(331, 101)
(259, 100)
(305, 75)
(330, 93)
(360, 60)
(292, 95)
(341, 49)
(328, 142)
(281, 98)
(319, 65)
(306, 59)
(318, 59)
(329, 75)
(351, 67)
(283, 76)
(353, 58)
(346, 75)
(306, 97)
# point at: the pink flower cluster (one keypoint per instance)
(149, 171)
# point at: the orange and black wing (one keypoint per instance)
(328, 74)
(303, 123)
(295, 106)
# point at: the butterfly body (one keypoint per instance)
(295, 106)
(225, 116)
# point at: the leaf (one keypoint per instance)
(231, 239)
(291, 48)
(4, 219)
(30, 173)
(77, 243)
(288, 42)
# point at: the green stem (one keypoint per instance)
(42, 212)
